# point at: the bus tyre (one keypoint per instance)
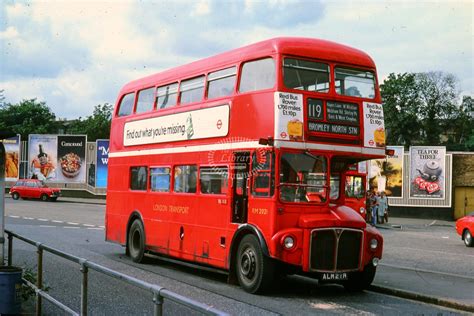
(136, 241)
(254, 270)
(468, 239)
(360, 281)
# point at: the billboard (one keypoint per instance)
(102, 162)
(12, 154)
(57, 158)
(387, 174)
(427, 172)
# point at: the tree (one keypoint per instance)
(27, 117)
(96, 126)
(438, 94)
(401, 102)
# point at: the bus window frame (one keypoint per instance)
(179, 103)
(240, 70)
(229, 183)
(163, 86)
(356, 67)
(198, 187)
(132, 112)
(331, 86)
(137, 96)
(171, 178)
(147, 189)
(207, 82)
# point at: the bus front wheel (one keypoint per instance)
(254, 270)
(360, 281)
(136, 241)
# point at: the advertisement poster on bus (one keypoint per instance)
(196, 124)
(387, 174)
(374, 128)
(102, 146)
(427, 172)
(288, 116)
(12, 155)
(71, 158)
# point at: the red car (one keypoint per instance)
(32, 188)
(465, 228)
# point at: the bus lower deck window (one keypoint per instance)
(185, 179)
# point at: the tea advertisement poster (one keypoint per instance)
(288, 116)
(102, 163)
(12, 154)
(374, 128)
(427, 172)
(42, 157)
(387, 174)
(71, 159)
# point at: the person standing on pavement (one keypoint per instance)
(382, 203)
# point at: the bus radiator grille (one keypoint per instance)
(335, 249)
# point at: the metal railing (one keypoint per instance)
(159, 293)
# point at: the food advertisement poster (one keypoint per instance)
(387, 174)
(288, 116)
(427, 172)
(12, 153)
(374, 128)
(71, 158)
(57, 158)
(102, 163)
(42, 157)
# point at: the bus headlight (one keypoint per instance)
(288, 242)
(362, 210)
(373, 244)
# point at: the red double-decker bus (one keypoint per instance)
(229, 162)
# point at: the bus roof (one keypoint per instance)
(297, 46)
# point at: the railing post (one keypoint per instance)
(39, 279)
(84, 270)
(158, 301)
(10, 249)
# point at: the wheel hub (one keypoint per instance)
(247, 265)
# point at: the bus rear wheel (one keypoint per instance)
(136, 241)
(254, 270)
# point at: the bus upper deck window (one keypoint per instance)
(355, 83)
(305, 75)
(257, 75)
(221, 83)
(191, 90)
(166, 96)
(145, 100)
(126, 105)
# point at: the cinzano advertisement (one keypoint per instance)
(427, 172)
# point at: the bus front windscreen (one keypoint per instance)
(303, 178)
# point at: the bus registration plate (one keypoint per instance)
(337, 276)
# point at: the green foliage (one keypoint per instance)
(27, 117)
(423, 109)
(96, 126)
(31, 276)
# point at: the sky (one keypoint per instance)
(74, 55)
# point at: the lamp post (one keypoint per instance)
(3, 135)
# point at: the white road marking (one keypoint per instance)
(47, 226)
(88, 225)
(445, 237)
(71, 227)
(28, 218)
(102, 226)
(43, 219)
(72, 223)
(95, 228)
(57, 221)
(14, 216)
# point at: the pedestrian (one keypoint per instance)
(382, 206)
(373, 208)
